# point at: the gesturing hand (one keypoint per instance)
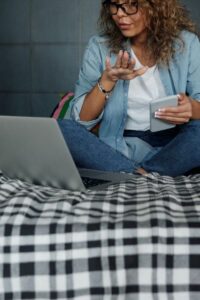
(177, 115)
(123, 68)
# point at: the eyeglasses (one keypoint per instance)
(130, 8)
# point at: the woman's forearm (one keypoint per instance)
(95, 100)
(93, 105)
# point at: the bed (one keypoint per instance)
(137, 240)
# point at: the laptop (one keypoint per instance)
(33, 149)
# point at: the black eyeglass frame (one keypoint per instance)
(107, 2)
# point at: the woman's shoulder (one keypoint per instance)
(188, 36)
(186, 47)
(96, 48)
(185, 42)
(98, 40)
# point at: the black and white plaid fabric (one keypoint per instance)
(139, 240)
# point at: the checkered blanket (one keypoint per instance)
(138, 240)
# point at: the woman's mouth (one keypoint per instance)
(124, 26)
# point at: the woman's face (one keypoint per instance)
(131, 26)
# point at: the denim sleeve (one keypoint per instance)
(193, 79)
(91, 70)
(75, 113)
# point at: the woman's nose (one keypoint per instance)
(121, 12)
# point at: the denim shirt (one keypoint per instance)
(181, 76)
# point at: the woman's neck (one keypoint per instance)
(139, 44)
(143, 54)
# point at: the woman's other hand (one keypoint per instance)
(177, 114)
(123, 68)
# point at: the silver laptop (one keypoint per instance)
(34, 150)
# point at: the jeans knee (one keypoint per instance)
(69, 125)
(195, 122)
(65, 122)
(193, 126)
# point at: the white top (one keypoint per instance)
(142, 90)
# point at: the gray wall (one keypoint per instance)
(41, 47)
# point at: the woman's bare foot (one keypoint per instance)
(141, 171)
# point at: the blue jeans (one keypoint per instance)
(179, 149)
(88, 151)
(178, 155)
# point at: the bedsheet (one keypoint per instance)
(137, 240)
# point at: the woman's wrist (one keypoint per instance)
(102, 89)
(195, 109)
(107, 82)
(105, 85)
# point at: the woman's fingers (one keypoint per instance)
(123, 67)
(181, 113)
(140, 71)
(108, 64)
(122, 60)
(131, 64)
(174, 119)
(125, 60)
(119, 60)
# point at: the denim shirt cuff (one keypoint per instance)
(75, 114)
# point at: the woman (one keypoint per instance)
(147, 49)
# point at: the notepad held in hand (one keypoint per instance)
(158, 124)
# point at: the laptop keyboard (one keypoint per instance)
(90, 182)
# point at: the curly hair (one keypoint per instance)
(165, 18)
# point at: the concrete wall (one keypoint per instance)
(41, 47)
